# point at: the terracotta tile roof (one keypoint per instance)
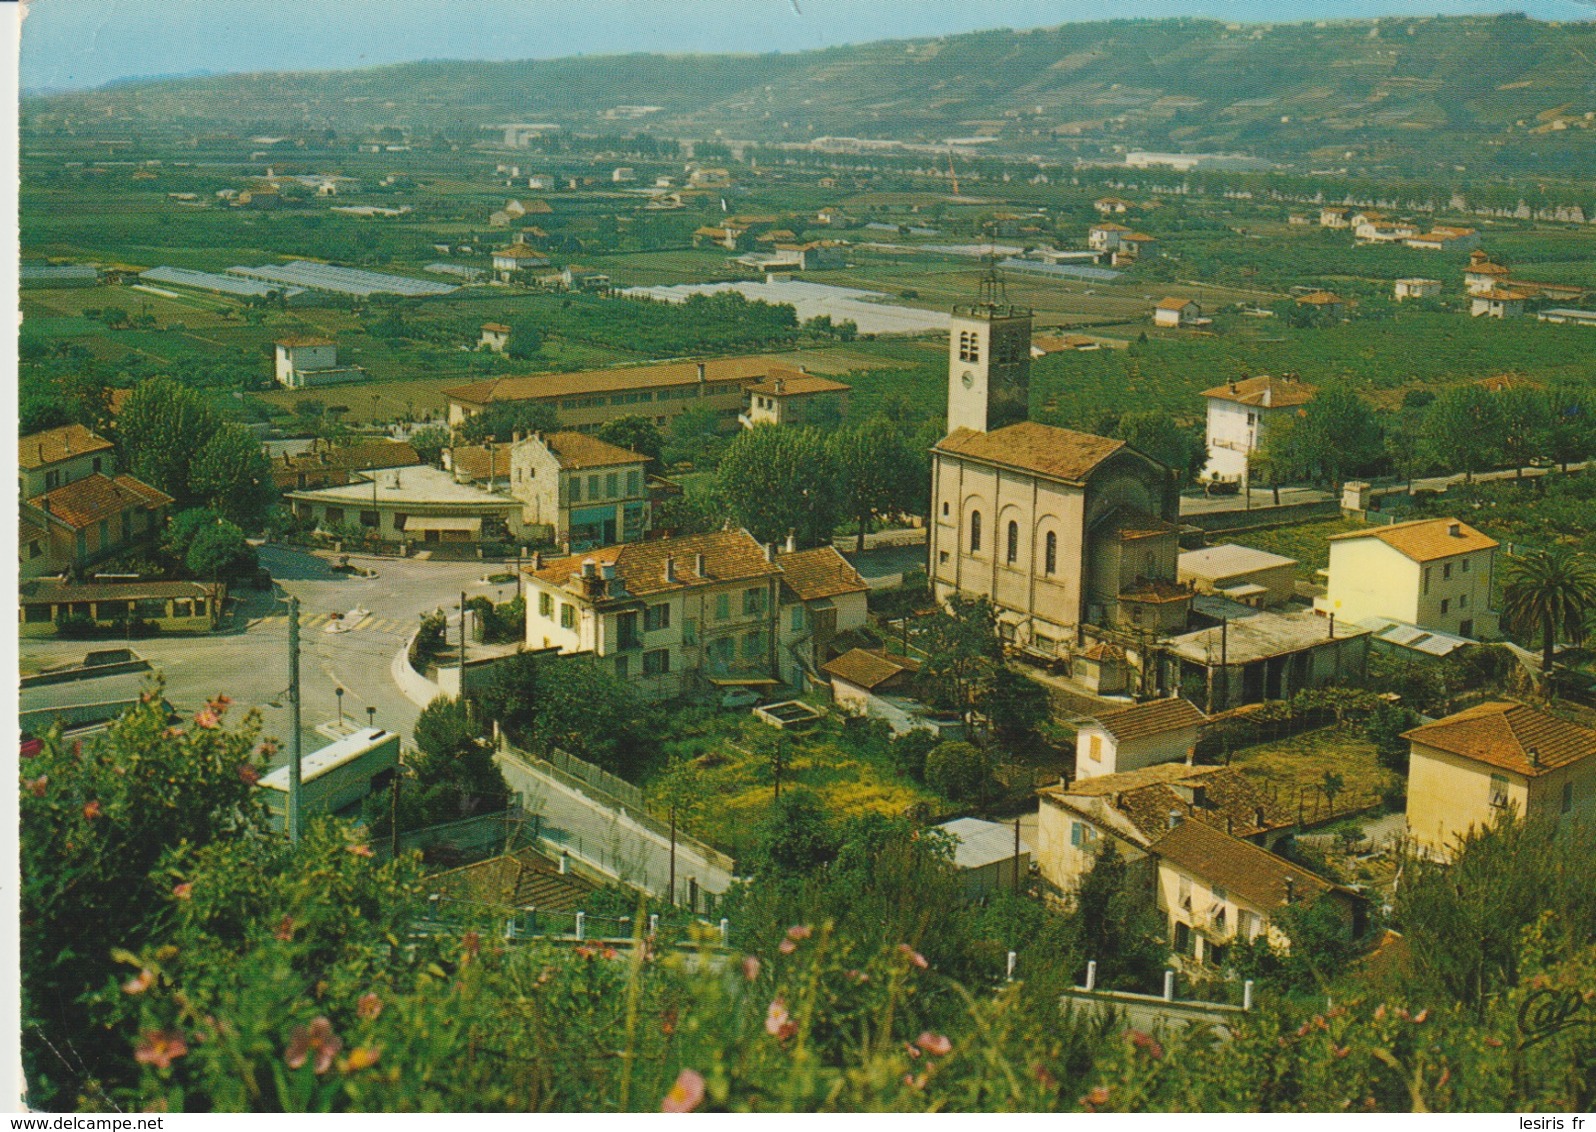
(40, 592)
(819, 573)
(1486, 267)
(57, 444)
(794, 383)
(1052, 343)
(519, 251)
(1140, 238)
(1059, 453)
(495, 328)
(1265, 391)
(576, 450)
(1256, 875)
(1426, 540)
(477, 462)
(88, 500)
(729, 556)
(1320, 299)
(336, 462)
(1138, 802)
(523, 879)
(1102, 652)
(297, 340)
(1508, 294)
(1155, 592)
(869, 669)
(1109, 226)
(1131, 523)
(28, 531)
(1175, 304)
(1156, 717)
(538, 387)
(1503, 735)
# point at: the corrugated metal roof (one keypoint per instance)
(982, 843)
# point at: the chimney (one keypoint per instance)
(698, 565)
(781, 386)
(565, 863)
(1291, 888)
(607, 571)
(537, 560)
(1332, 626)
(701, 374)
(1534, 756)
(1174, 818)
(1230, 825)
(670, 568)
(792, 542)
(589, 568)
(770, 552)
(1455, 529)
(1199, 795)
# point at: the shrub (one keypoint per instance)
(957, 770)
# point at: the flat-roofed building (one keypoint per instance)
(1417, 289)
(1251, 577)
(418, 504)
(171, 607)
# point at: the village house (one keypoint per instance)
(821, 596)
(1240, 415)
(1240, 573)
(1445, 239)
(1383, 232)
(877, 684)
(1481, 276)
(577, 490)
(74, 508)
(732, 237)
(305, 362)
(1417, 289)
(1075, 820)
(795, 399)
(1158, 731)
(511, 264)
(1133, 247)
(1216, 890)
(1045, 344)
(1176, 313)
(1106, 237)
(1334, 218)
(1435, 574)
(1111, 206)
(410, 505)
(495, 337)
(684, 615)
(59, 456)
(586, 400)
(1499, 302)
(1326, 303)
(1468, 769)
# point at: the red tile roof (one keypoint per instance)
(819, 573)
(54, 445)
(869, 669)
(729, 556)
(1157, 717)
(1256, 875)
(537, 387)
(1511, 736)
(576, 450)
(1426, 540)
(86, 501)
(1265, 391)
(793, 383)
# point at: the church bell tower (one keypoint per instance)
(989, 360)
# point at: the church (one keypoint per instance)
(1073, 537)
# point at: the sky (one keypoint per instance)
(85, 43)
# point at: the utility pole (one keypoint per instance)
(462, 645)
(1016, 856)
(673, 855)
(295, 801)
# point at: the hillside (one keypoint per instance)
(1347, 92)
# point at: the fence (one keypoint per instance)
(620, 795)
(669, 928)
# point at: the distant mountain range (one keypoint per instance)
(1504, 92)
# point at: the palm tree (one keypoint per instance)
(1552, 592)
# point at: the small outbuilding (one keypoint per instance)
(991, 857)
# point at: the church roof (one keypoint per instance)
(1045, 450)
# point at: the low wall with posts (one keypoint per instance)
(1150, 1011)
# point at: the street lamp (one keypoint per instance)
(339, 692)
(371, 718)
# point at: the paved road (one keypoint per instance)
(633, 853)
(249, 659)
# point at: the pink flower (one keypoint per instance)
(369, 1006)
(856, 976)
(778, 1023)
(36, 787)
(913, 1081)
(285, 929)
(247, 774)
(318, 1039)
(910, 1050)
(221, 703)
(140, 982)
(92, 810)
(794, 936)
(1146, 1043)
(159, 1048)
(269, 747)
(1419, 1018)
(207, 719)
(750, 967)
(686, 1095)
(1341, 1051)
(182, 891)
(172, 732)
(359, 850)
(934, 1043)
(913, 956)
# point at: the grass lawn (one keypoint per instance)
(732, 786)
(1303, 541)
(1301, 761)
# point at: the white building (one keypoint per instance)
(302, 362)
(1240, 414)
(1160, 731)
(1106, 237)
(1417, 289)
(1431, 573)
(1175, 313)
(1499, 302)
(1251, 577)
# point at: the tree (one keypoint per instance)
(231, 474)
(452, 774)
(502, 420)
(873, 465)
(696, 436)
(963, 653)
(575, 704)
(777, 480)
(97, 816)
(796, 837)
(220, 552)
(1013, 703)
(635, 434)
(429, 443)
(159, 430)
(1332, 435)
(1571, 427)
(1157, 435)
(1526, 422)
(1461, 429)
(526, 340)
(957, 770)
(1549, 593)
(1115, 924)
